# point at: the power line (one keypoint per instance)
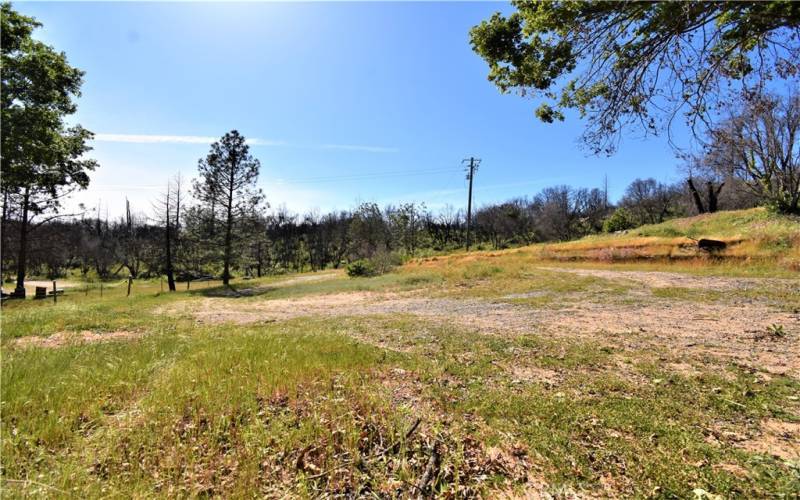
(473, 166)
(308, 180)
(368, 175)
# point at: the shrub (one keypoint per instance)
(384, 262)
(361, 268)
(380, 263)
(620, 220)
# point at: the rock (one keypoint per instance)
(711, 245)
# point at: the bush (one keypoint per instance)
(380, 263)
(384, 262)
(361, 268)
(620, 220)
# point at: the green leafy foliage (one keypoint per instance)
(379, 263)
(361, 268)
(226, 187)
(42, 156)
(637, 64)
(620, 220)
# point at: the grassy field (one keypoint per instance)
(547, 370)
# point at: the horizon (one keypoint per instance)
(377, 116)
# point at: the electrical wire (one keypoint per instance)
(308, 180)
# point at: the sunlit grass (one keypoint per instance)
(314, 406)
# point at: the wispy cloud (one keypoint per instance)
(154, 139)
(173, 139)
(254, 141)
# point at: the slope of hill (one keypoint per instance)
(768, 243)
(754, 234)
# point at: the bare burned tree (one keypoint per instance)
(758, 145)
(650, 201)
(168, 217)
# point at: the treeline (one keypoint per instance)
(279, 241)
(749, 156)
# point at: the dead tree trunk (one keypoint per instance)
(698, 202)
(713, 196)
(168, 249)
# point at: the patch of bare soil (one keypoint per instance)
(698, 330)
(405, 390)
(521, 372)
(49, 284)
(659, 279)
(777, 438)
(61, 339)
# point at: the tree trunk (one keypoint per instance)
(23, 246)
(698, 202)
(133, 269)
(170, 273)
(260, 259)
(226, 273)
(213, 227)
(168, 242)
(713, 196)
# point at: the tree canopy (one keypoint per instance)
(639, 65)
(227, 179)
(758, 144)
(42, 158)
(38, 91)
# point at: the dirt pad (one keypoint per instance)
(62, 339)
(658, 279)
(701, 330)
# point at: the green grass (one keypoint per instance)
(228, 410)
(755, 223)
(327, 405)
(760, 242)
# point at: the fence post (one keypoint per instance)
(101, 289)
(187, 283)
(162, 283)
(55, 292)
(130, 281)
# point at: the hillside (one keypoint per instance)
(768, 243)
(754, 234)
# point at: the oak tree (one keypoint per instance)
(42, 158)
(639, 64)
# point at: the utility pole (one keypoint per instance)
(473, 166)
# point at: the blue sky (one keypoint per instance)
(344, 102)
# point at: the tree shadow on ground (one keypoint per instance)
(234, 291)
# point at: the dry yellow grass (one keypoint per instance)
(766, 241)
